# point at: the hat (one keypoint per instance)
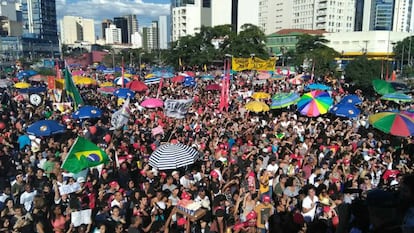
(214, 174)
(181, 221)
(175, 173)
(163, 175)
(251, 215)
(266, 198)
(81, 180)
(113, 184)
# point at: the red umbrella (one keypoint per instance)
(137, 86)
(178, 79)
(213, 87)
(189, 73)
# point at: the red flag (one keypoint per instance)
(159, 87)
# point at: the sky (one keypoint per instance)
(146, 10)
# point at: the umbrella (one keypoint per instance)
(397, 97)
(124, 93)
(107, 90)
(86, 112)
(189, 82)
(173, 156)
(178, 79)
(33, 90)
(350, 99)
(84, 81)
(152, 103)
(4, 83)
(394, 123)
(318, 86)
(45, 128)
(264, 75)
(257, 106)
(382, 87)
(260, 95)
(26, 73)
(409, 113)
(163, 74)
(22, 85)
(314, 103)
(118, 81)
(137, 86)
(106, 84)
(213, 87)
(345, 110)
(282, 100)
(207, 77)
(38, 78)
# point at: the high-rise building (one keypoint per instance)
(275, 15)
(164, 31)
(145, 33)
(234, 12)
(105, 24)
(39, 19)
(122, 23)
(188, 16)
(113, 35)
(384, 15)
(132, 25)
(152, 40)
(331, 16)
(9, 24)
(77, 29)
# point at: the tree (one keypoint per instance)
(312, 52)
(403, 51)
(362, 71)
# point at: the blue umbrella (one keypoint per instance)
(397, 97)
(163, 74)
(26, 74)
(345, 110)
(207, 77)
(282, 100)
(118, 81)
(318, 86)
(44, 128)
(100, 67)
(189, 82)
(87, 112)
(351, 99)
(124, 93)
(33, 89)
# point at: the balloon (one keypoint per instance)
(107, 138)
(2, 125)
(92, 129)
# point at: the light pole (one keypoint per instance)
(140, 65)
(113, 59)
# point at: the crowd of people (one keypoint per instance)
(275, 171)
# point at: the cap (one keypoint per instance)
(80, 180)
(214, 174)
(174, 173)
(266, 198)
(251, 215)
(113, 184)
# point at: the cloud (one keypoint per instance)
(108, 9)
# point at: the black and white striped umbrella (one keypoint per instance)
(173, 156)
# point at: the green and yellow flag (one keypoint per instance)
(84, 154)
(72, 91)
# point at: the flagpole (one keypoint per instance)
(122, 70)
(67, 155)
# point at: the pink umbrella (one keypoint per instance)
(213, 87)
(152, 103)
(297, 80)
(264, 75)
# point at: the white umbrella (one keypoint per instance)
(173, 156)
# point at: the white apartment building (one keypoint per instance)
(403, 16)
(136, 40)
(275, 15)
(113, 35)
(247, 13)
(75, 29)
(221, 11)
(188, 17)
(331, 16)
(164, 31)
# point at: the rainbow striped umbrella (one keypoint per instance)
(314, 103)
(394, 123)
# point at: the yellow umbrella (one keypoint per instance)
(127, 75)
(22, 85)
(260, 95)
(257, 106)
(106, 84)
(149, 76)
(84, 81)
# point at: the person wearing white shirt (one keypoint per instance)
(272, 167)
(309, 205)
(27, 196)
(316, 172)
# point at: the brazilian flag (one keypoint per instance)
(84, 154)
(72, 91)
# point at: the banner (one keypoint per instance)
(240, 64)
(177, 108)
(51, 82)
(81, 217)
(69, 188)
(121, 117)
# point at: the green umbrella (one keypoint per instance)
(382, 87)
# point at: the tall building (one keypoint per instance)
(384, 15)
(39, 19)
(122, 23)
(9, 24)
(235, 12)
(331, 16)
(275, 15)
(152, 35)
(75, 29)
(145, 33)
(164, 31)
(188, 16)
(113, 35)
(132, 26)
(105, 24)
